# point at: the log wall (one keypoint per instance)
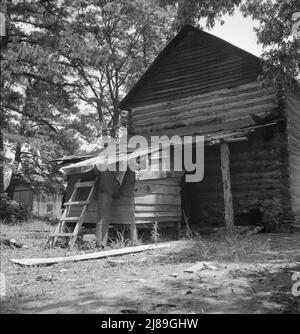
(293, 128)
(260, 183)
(227, 109)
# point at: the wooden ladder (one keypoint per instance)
(78, 221)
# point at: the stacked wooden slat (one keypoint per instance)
(157, 200)
(197, 64)
(227, 109)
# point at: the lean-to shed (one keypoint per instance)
(127, 201)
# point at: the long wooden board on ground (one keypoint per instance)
(89, 256)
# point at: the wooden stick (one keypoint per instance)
(89, 256)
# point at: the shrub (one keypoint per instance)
(11, 211)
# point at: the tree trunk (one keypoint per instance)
(115, 122)
(14, 175)
(4, 43)
(1, 160)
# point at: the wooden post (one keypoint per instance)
(106, 189)
(103, 219)
(225, 167)
(133, 233)
(178, 229)
(133, 227)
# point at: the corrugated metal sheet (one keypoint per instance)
(158, 200)
(194, 62)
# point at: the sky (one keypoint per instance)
(238, 31)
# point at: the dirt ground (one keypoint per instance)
(254, 276)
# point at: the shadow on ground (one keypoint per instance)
(254, 276)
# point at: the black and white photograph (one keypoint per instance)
(150, 160)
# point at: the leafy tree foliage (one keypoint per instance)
(106, 47)
(65, 66)
(35, 104)
(275, 33)
(194, 12)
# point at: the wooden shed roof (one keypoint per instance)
(194, 62)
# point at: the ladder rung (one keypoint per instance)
(76, 203)
(69, 219)
(85, 184)
(62, 235)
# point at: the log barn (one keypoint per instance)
(202, 85)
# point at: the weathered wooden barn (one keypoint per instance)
(202, 85)
(38, 202)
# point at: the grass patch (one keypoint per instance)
(230, 246)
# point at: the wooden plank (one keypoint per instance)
(157, 208)
(157, 219)
(168, 182)
(149, 175)
(89, 256)
(205, 100)
(210, 96)
(206, 113)
(75, 203)
(158, 199)
(85, 184)
(70, 219)
(202, 121)
(156, 189)
(157, 214)
(225, 168)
